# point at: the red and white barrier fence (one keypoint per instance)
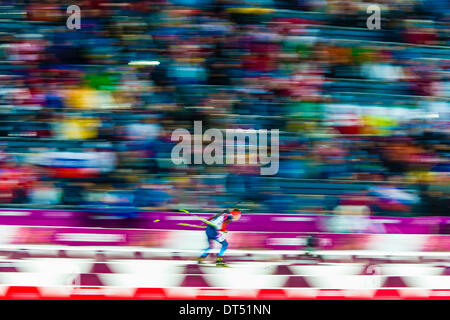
(111, 293)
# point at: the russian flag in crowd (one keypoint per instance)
(391, 198)
(76, 164)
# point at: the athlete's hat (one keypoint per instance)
(236, 213)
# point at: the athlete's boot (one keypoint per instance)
(220, 263)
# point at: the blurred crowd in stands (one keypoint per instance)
(363, 114)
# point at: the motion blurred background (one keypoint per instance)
(363, 114)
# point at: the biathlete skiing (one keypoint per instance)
(216, 230)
